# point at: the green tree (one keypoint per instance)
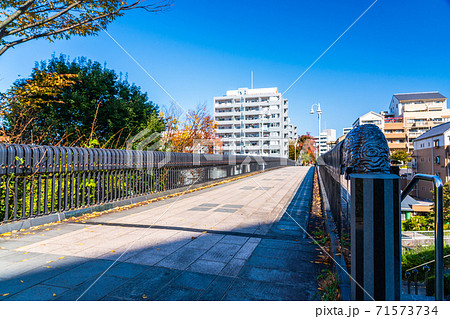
(23, 21)
(401, 155)
(92, 106)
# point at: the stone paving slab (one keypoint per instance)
(255, 290)
(240, 246)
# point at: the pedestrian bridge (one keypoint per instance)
(241, 239)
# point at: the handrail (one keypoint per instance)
(428, 262)
(439, 227)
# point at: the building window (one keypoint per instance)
(436, 143)
(437, 159)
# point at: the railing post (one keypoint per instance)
(375, 225)
(408, 277)
(439, 242)
(375, 237)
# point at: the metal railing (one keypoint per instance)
(41, 180)
(439, 227)
(414, 238)
(363, 192)
(415, 271)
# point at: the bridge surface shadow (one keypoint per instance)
(252, 260)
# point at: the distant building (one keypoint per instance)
(418, 112)
(345, 130)
(395, 132)
(369, 118)
(409, 116)
(430, 156)
(326, 141)
(254, 121)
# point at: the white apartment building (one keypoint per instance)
(254, 121)
(370, 118)
(326, 141)
(346, 130)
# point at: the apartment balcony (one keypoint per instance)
(393, 120)
(223, 105)
(393, 126)
(252, 147)
(255, 103)
(231, 148)
(252, 129)
(425, 124)
(227, 130)
(252, 112)
(415, 134)
(229, 113)
(253, 136)
(395, 136)
(252, 120)
(396, 146)
(227, 122)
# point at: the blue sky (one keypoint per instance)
(199, 49)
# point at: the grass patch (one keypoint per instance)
(328, 286)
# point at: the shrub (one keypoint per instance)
(415, 258)
(431, 281)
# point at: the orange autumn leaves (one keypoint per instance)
(194, 134)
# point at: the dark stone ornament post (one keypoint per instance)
(375, 216)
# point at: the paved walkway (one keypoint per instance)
(228, 242)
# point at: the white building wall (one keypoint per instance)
(323, 143)
(254, 122)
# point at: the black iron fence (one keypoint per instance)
(364, 199)
(42, 180)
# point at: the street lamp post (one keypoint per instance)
(319, 113)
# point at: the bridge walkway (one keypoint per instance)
(237, 241)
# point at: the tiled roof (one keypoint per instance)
(408, 202)
(419, 96)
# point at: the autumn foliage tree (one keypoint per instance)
(193, 132)
(20, 107)
(76, 103)
(307, 147)
(23, 21)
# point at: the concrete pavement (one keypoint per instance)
(228, 242)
